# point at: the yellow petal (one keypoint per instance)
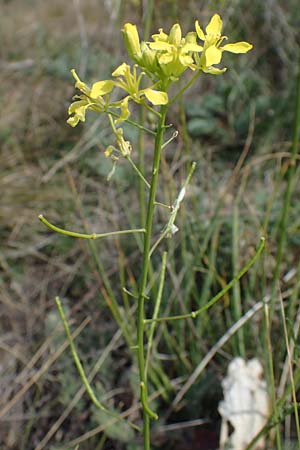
(214, 70)
(215, 25)
(213, 55)
(186, 60)
(199, 31)
(125, 113)
(101, 88)
(238, 47)
(73, 121)
(124, 146)
(159, 45)
(161, 36)
(109, 150)
(156, 97)
(75, 105)
(166, 58)
(192, 48)
(80, 112)
(121, 70)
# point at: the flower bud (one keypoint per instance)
(148, 57)
(132, 41)
(124, 146)
(175, 35)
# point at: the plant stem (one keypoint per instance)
(220, 294)
(141, 166)
(141, 176)
(287, 195)
(148, 15)
(132, 122)
(87, 236)
(147, 20)
(290, 363)
(237, 306)
(80, 368)
(144, 277)
(156, 309)
(271, 380)
(179, 94)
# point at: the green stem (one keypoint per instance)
(131, 122)
(106, 289)
(290, 362)
(237, 306)
(134, 166)
(80, 368)
(174, 136)
(287, 196)
(152, 110)
(286, 411)
(179, 94)
(156, 309)
(174, 208)
(87, 236)
(271, 380)
(217, 297)
(148, 15)
(147, 19)
(145, 268)
(141, 166)
(141, 176)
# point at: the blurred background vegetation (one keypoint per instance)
(238, 127)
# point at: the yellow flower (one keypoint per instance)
(149, 61)
(123, 105)
(91, 99)
(213, 49)
(139, 51)
(124, 146)
(130, 81)
(174, 53)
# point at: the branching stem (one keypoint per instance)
(217, 297)
(147, 413)
(80, 368)
(88, 236)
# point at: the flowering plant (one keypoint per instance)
(157, 65)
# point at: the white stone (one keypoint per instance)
(246, 405)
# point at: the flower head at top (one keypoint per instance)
(174, 52)
(213, 48)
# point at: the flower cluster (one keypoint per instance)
(167, 56)
(163, 60)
